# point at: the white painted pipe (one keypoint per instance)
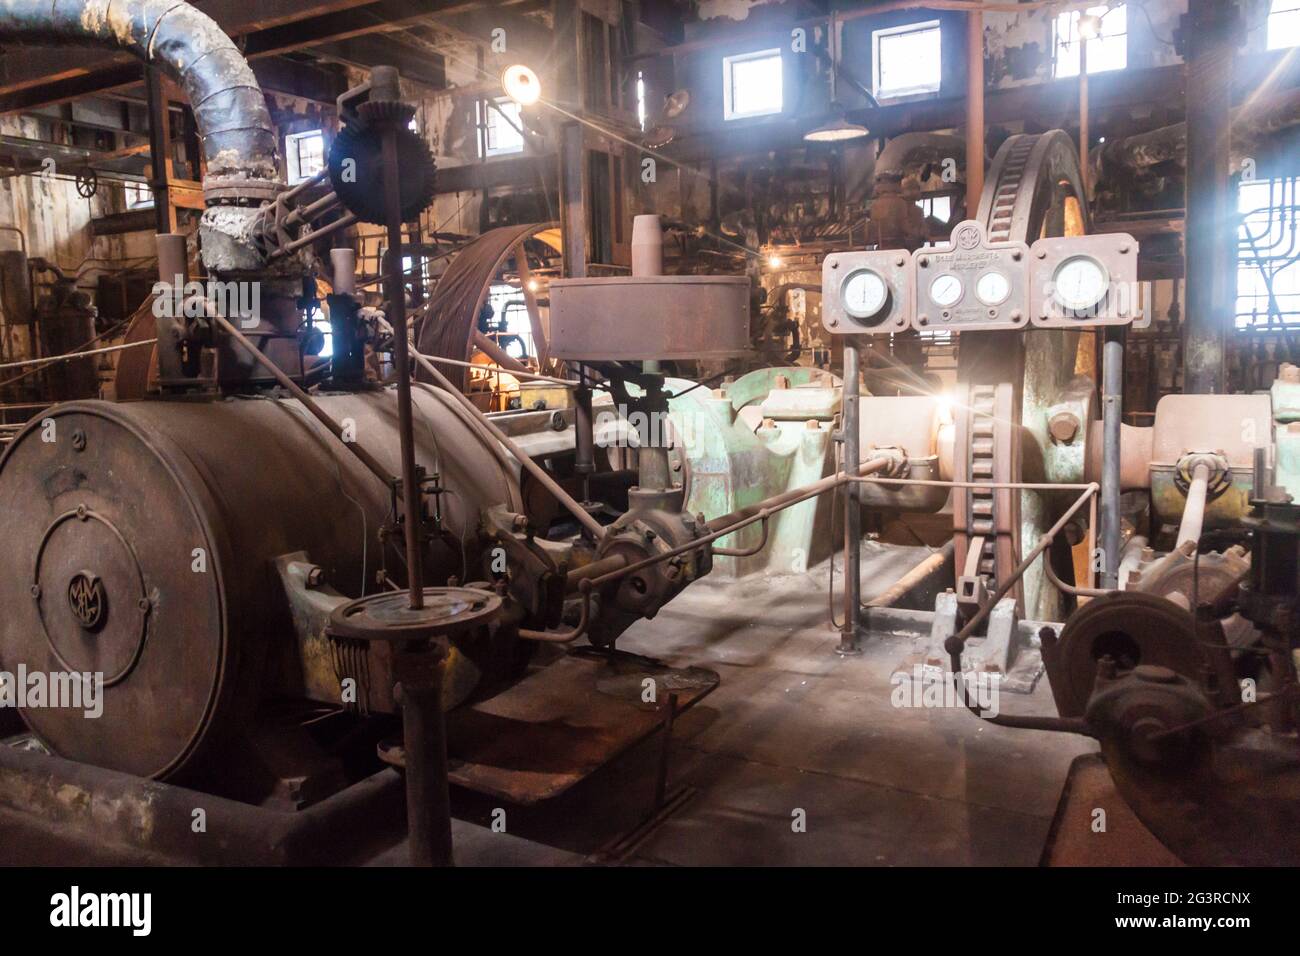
(1194, 509)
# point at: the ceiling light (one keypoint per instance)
(774, 262)
(838, 130)
(521, 84)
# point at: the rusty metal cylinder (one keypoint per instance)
(141, 543)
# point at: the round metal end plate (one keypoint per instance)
(109, 572)
(389, 616)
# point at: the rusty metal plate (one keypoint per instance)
(971, 283)
(649, 317)
(867, 292)
(1063, 269)
(563, 723)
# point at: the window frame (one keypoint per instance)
(487, 111)
(728, 93)
(293, 155)
(1291, 12)
(905, 92)
(1075, 44)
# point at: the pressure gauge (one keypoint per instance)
(1080, 283)
(866, 294)
(946, 290)
(993, 288)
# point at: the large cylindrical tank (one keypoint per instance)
(140, 542)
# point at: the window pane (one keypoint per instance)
(1284, 24)
(753, 84)
(1264, 255)
(1107, 51)
(908, 60)
(305, 154)
(499, 135)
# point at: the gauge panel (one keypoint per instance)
(970, 283)
(866, 292)
(1084, 281)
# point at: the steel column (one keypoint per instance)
(1112, 407)
(851, 432)
(1209, 34)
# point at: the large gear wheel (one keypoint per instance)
(356, 171)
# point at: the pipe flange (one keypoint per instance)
(1220, 472)
(222, 190)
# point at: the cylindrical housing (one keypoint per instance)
(141, 541)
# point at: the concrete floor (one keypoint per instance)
(793, 726)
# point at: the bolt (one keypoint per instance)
(923, 262)
(1015, 315)
(900, 262)
(143, 604)
(1016, 255)
(1064, 426)
(1042, 253)
(835, 265)
(1123, 248)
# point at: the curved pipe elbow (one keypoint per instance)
(239, 139)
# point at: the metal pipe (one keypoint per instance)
(958, 640)
(850, 429)
(974, 110)
(594, 527)
(529, 375)
(919, 572)
(235, 127)
(1112, 408)
(1194, 509)
(584, 430)
(424, 740)
(173, 273)
(285, 382)
(412, 501)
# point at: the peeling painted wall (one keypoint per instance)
(56, 224)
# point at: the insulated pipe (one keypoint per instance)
(239, 139)
(1194, 509)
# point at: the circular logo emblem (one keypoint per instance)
(968, 237)
(87, 599)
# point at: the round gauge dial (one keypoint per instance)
(946, 290)
(866, 294)
(1080, 283)
(993, 288)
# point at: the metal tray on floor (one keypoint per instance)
(558, 726)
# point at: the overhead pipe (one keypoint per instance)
(239, 140)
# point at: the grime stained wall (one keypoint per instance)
(55, 225)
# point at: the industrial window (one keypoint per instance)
(907, 60)
(139, 196)
(1284, 24)
(305, 153)
(1107, 51)
(940, 207)
(502, 134)
(752, 84)
(1268, 260)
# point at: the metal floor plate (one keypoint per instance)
(561, 724)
